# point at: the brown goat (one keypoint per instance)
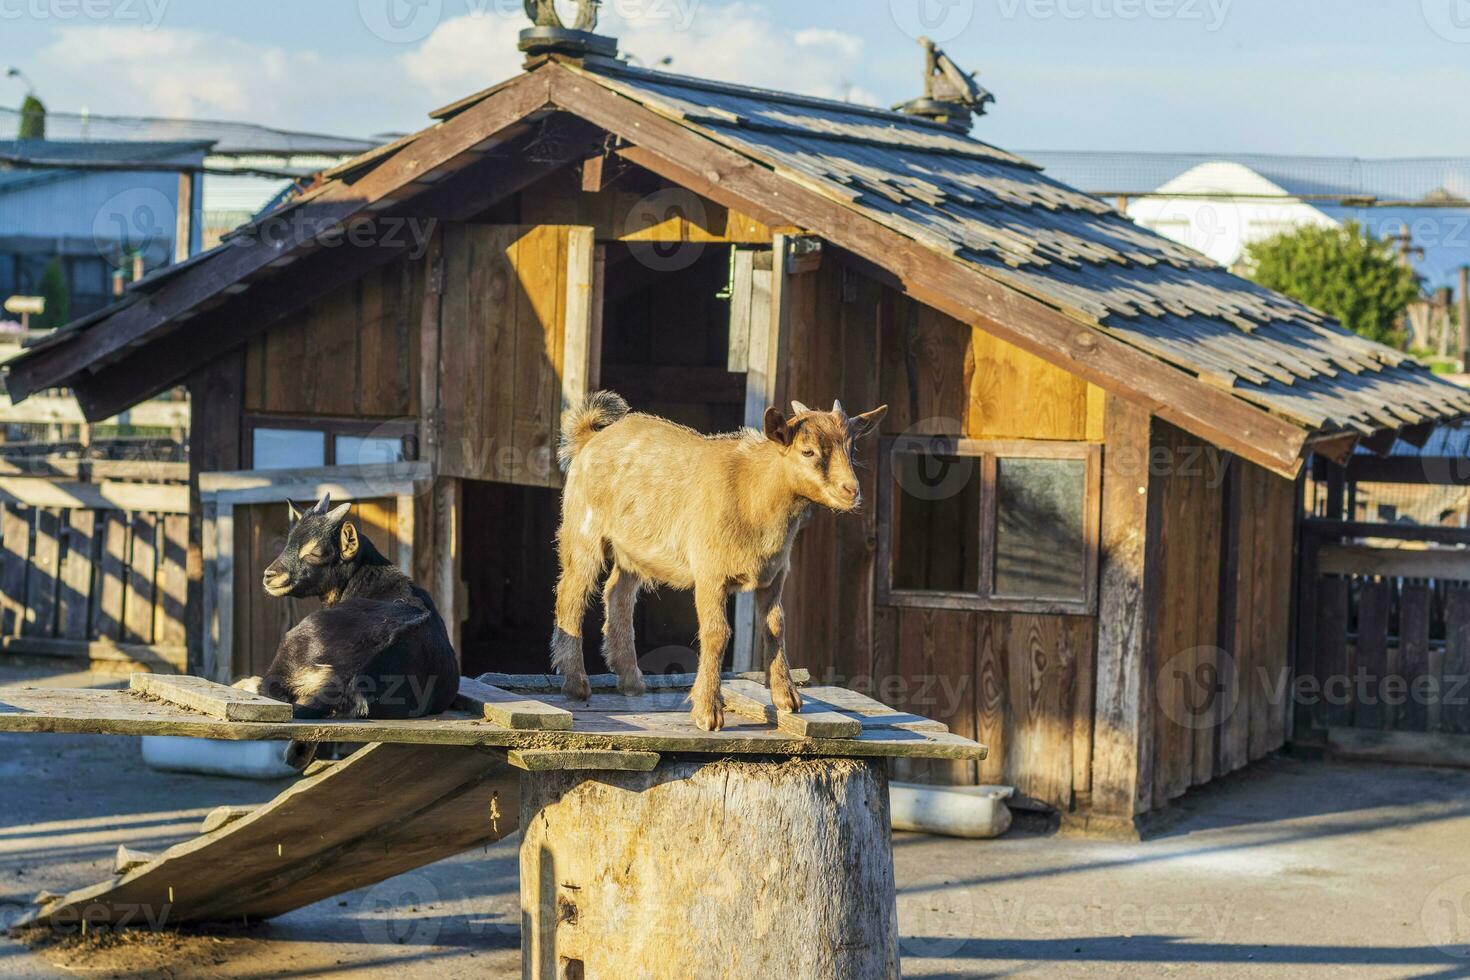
(716, 514)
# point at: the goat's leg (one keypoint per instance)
(769, 611)
(619, 595)
(580, 565)
(714, 633)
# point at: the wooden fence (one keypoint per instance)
(1384, 667)
(96, 569)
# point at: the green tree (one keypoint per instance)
(1343, 271)
(32, 119)
(57, 295)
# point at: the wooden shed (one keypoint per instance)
(1080, 546)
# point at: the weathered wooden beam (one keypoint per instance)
(156, 657)
(729, 178)
(1122, 759)
(65, 411)
(92, 470)
(555, 760)
(157, 498)
(211, 699)
(510, 710)
(815, 720)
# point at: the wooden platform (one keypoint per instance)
(385, 810)
(423, 790)
(656, 722)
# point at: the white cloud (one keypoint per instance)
(130, 70)
(735, 42)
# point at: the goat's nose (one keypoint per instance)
(849, 489)
(274, 578)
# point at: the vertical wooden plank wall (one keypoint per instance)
(1220, 635)
(1023, 684)
(353, 353)
(73, 578)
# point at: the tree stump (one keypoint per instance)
(709, 869)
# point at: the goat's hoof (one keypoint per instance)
(786, 699)
(576, 688)
(709, 717)
(632, 685)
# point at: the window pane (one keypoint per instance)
(361, 450)
(287, 449)
(936, 522)
(1039, 548)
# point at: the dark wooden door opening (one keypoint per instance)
(666, 349)
(665, 342)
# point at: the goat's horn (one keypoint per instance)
(798, 408)
(323, 504)
(837, 407)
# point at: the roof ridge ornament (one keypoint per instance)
(951, 95)
(551, 36)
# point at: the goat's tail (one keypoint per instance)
(600, 410)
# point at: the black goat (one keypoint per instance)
(378, 647)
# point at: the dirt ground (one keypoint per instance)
(1297, 867)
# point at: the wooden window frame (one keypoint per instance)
(988, 453)
(331, 428)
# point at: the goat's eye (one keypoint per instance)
(809, 453)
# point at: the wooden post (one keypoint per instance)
(1122, 761)
(782, 869)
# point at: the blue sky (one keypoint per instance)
(1356, 77)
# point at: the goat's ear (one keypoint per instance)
(347, 541)
(861, 425)
(339, 512)
(296, 515)
(776, 428)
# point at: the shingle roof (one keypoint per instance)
(1004, 216)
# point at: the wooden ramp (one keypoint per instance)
(385, 810)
